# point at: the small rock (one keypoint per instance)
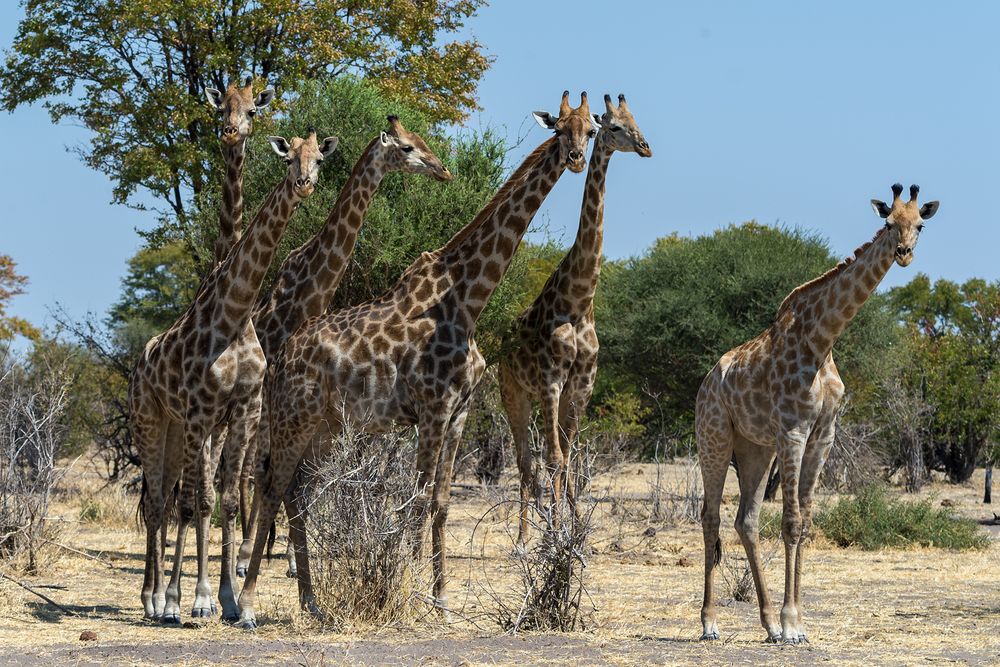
(649, 532)
(190, 625)
(684, 561)
(88, 636)
(947, 502)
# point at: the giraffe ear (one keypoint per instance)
(928, 210)
(329, 145)
(386, 139)
(264, 97)
(279, 146)
(881, 209)
(214, 97)
(545, 119)
(597, 121)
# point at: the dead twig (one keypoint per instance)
(41, 595)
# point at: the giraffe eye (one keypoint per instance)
(407, 149)
(592, 134)
(617, 128)
(920, 228)
(252, 113)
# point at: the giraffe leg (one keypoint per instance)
(149, 427)
(791, 447)
(517, 405)
(241, 432)
(196, 437)
(574, 400)
(553, 454)
(714, 434)
(297, 547)
(185, 510)
(430, 432)
(246, 509)
(448, 449)
(820, 441)
(290, 433)
(754, 464)
(256, 457)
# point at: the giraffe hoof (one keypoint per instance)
(773, 638)
(291, 573)
(710, 636)
(170, 619)
(203, 612)
(241, 571)
(803, 639)
(246, 624)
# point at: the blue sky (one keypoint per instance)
(787, 112)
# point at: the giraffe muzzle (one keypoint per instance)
(904, 255)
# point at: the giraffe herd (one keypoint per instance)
(249, 385)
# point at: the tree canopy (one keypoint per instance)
(134, 71)
(11, 284)
(666, 317)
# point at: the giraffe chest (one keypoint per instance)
(765, 398)
(553, 354)
(207, 377)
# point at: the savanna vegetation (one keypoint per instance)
(921, 362)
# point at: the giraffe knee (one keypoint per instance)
(747, 527)
(791, 527)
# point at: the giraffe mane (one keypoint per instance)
(501, 195)
(825, 278)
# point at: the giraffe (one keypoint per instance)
(206, 369)
(309, 277)
(409, 356)
(553, 352)
(778, 394)
(237, 106)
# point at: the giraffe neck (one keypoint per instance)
(465, 272)
(231, 210)
(228, 295)
(575, 279)
(309, 277)
(829, 303)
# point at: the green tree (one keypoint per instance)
(134, 71)
(955, 365)
(11, 284)
(665, 318)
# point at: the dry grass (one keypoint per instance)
(885, 607)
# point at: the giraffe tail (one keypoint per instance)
(272, 535)
(140, 510)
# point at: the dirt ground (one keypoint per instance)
(880, 608)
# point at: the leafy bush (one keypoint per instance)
(871, 519)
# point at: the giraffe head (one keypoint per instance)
(237, 107)
(619, 131)
(406, 151)
(303, 157)
(573, 127)
(905, 220)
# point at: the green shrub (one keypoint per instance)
(871, 519)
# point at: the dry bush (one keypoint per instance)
(482, 449)
(110, 506)
(673, 502)
(360, 501)
(550, 592)
(737, 578)
(32, 400)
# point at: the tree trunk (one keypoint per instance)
(988, 490)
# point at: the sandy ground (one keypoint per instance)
(890, 607)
